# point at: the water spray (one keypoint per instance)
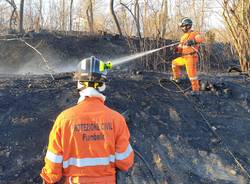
(105, 66)
(126, 59)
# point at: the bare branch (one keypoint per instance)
(135, 19)
(35, 49)
(44, 60)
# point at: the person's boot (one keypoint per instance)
(204, 86)
(193, 93)
(177, 81)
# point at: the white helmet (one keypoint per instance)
(91, 72)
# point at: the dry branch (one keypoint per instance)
(236, 16)
(135, 19)
(44, 60)
(37, 51)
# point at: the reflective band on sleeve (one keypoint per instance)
(193, 78)
(125, 154)
(53, 157)
(81, 162)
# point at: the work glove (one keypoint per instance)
(190, 42)
(177, 50)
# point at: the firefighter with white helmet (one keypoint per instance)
(89, 140)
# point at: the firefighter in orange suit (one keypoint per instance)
(188, 48)
(89, 140)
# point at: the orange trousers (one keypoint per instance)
(190, 61)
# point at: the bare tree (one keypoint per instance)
(41, 13)
(202, 15)
(135, 16)
(90, 18)
(164, 17)
(14, 14)
(236, 14)
(21, 16)
(111, 6)
(63, 15)
(145, 28)
(70, 15)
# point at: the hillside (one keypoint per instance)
(59, 50)
(178, 138)
(166, 130)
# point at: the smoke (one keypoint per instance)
(58, 64)
(69, 66)
(30, 62)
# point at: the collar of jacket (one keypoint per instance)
(90, 92)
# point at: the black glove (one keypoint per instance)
(191, 42)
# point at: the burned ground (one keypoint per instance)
(61, 52)
(166, 130)
(177, 138)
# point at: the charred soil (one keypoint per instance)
(178, 138)
(166, 130)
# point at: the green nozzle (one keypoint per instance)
(108, 65)
(105, 66)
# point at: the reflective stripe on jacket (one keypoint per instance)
(88, 139)
(192, 35)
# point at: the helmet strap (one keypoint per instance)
(102, 87)
(186, 29)
(84, 84)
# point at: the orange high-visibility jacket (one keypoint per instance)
(192, 35)
(88, 139)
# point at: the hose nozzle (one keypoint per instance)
(108, 65)
(105, 65)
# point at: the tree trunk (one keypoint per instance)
(137, 21)
(89, 13)
(14, 14)
(63, 15)
(244, 63)
(70, 15)
(202, 15)
(21, 30)
(111, 6)
(41, 14)
(145, 22)
(164, 17)
(237, 19)
(246, 27)
(91, 16)
(137, 18)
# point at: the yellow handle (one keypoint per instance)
(102, 66)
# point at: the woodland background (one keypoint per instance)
(221, 21)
